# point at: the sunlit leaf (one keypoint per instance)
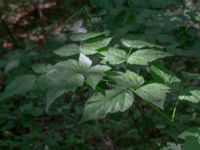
(84, 36)
(192, 95)
(128, 80)
(99, 105)
(137, 44)
(166, 75)
(91, 48)
(114, 56)
(95, 74)
(143, 57)
(154, 93)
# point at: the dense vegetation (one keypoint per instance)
(100, 74)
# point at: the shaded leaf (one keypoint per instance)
(190, 75)
(11, 65)
(19, 85)
(68, 50)
(41, 68)
(52, 95)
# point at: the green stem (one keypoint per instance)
(174, 111)
(160, 112)
(129, 53)
(177, 101)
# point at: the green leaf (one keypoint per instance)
(84, 67)
(73, 66)
(11, 65)
(41, 68)
(191, 132)
(114, 56)
(74, 81)
(52, 95)
(190, 75)
(84, 36)
(166, 75)
(95, 74)
(69, 65)
(191, 137)
(65, 74)
(154, 93)
(143, 57)
(137, 44)
(192, 95)
(71, 74)
(128, 80)
(99, 105)
(85, 62)
(172, 146)
(91, 48)
(86, 48)
(191, 143)
(61, 80)
(68, 50)
(55, 42)
(19, 85)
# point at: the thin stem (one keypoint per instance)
(129, 53)
(133, 90)
(162, 114)
(174, 111)
(177, 101)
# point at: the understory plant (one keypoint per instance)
(128, 73)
